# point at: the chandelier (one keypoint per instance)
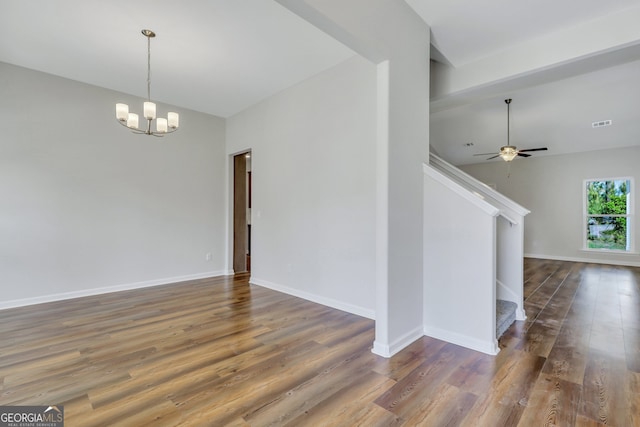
(131, 120)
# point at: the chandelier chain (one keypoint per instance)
(148, 68)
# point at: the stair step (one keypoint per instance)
(505, 316)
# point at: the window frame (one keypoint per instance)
(631, 243)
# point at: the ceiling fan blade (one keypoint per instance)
(524, 155)
(497, 155)
(485, 154)
(533, 149)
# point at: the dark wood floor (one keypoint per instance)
(221, 352)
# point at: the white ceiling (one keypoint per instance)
(552, 107)
(221, 56)
(466, 31)
(555, 115)
(214, 56)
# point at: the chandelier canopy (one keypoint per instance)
(131, 120)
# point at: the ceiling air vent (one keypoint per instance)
(601, 124)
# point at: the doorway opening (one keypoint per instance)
(242, 212)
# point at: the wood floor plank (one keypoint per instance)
(351, 406)
(587, 422)
(407, 395)
(409, 359)
(222, 352)
(235, 396)
(632, 394)
(539, 297)
(510, 390)
(568, 357)
(318, 390)
(536, 273)
(163, 376)
(449, 406)
(553, 402)
(476, 373)
(605, 397)
(631, 336)
(139, 410)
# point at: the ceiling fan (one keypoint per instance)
(509, 152)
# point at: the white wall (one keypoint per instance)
(459, 265)
(391, 35)
(313, 187)
(87, 206)
(510, 263)
(552, 188)
(509, 232)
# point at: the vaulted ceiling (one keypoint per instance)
(565, 64)
(214, 56)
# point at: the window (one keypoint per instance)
(608, 214)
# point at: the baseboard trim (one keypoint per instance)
(388, 350)
(329, 302)
(588, 260)
(106, 290)
(487, 347)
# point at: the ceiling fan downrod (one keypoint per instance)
(508, 102)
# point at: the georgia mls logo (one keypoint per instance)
(31, 416)
(53, 408)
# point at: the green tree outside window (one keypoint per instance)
(607, 214)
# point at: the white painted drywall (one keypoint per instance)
(313, 187)
(557, 55)
(509, 236)
(459, 265)
(552, 188)
(391, 35)
(510, 262)
(86, 206)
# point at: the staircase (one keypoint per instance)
(505, 316)
(474, 222)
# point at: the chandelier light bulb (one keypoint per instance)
(161, 125)
(173, 119)
(122, 112)
(149, 110)
(132, 121)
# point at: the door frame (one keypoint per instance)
(239, 198)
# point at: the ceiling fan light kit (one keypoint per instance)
(131, 120)
(508, 152)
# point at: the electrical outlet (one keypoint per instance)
(208, 256)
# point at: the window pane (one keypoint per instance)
(607, 197)
(607, 233)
